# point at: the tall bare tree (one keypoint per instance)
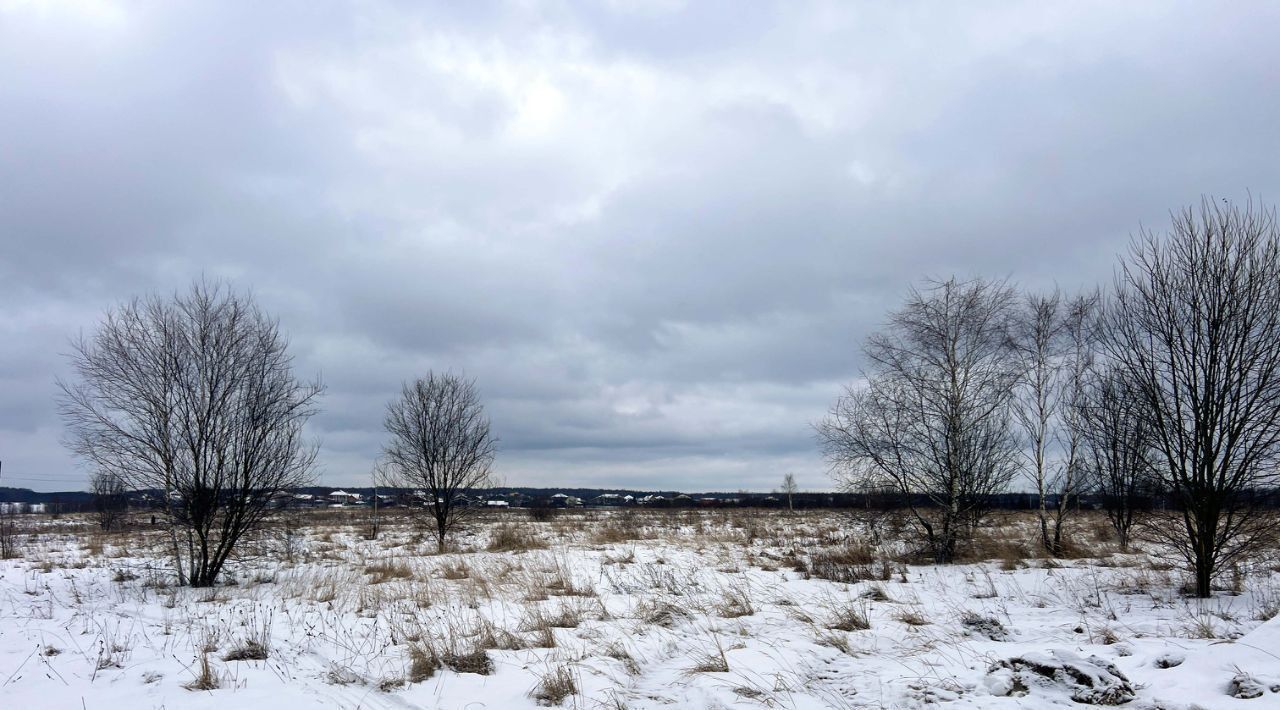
(932, 421)
(1194, 327)
(1054, 339)
(193, 397)
(1118, 449)
(441, 443)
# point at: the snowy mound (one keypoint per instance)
(1226, 674)
(1058, 673)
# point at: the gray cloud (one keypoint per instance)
(656, 233)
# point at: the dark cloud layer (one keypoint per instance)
(656, 233)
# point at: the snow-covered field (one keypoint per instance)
(597, 609)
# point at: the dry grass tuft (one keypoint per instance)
(714, 661)
(847, 617)
(660, 612)
(512, 538)
(380, 572)
(455, 569)
(477, 662)
(248, 651)
(911, 617)
(850, 563)
(556, 685)
(423, 663)
(207, 679)
(736, 603)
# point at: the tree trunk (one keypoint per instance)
(1204, 545)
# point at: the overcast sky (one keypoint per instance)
(656, 233)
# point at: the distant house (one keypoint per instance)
(344, 498)
(498, 504)
(611, 500)
(517, 500)
(562, 500)
(305, 500)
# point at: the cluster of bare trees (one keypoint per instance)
(1168, 384)
(1053, 341)
(193, 398)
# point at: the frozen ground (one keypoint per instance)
(621, 610)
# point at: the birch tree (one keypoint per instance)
(932, 421)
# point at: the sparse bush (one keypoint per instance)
(8, 538)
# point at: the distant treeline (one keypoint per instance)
(530, 497)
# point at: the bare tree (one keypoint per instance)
(1194, 327)
(193, 397)
(109, 499)
(1118, 442)
(440, 442)
(789, 489)
(932, 421)
(1054, 339)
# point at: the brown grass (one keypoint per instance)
(556, 685)
(850, 563)
(380, 572)
(513, 538)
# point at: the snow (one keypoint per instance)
(645, 611)
(1207, 674)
